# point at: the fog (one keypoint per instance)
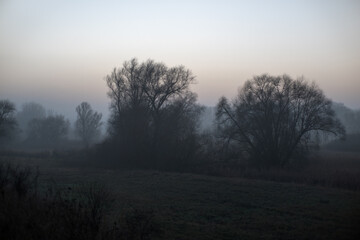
(67, 108)
(58, 53)
(179, 119)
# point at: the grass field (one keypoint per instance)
(188, 206)
(191, 206)
(323, 168)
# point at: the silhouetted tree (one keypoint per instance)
(7, 119)
(274, 118)
(88, 123)
(29, 111)
(48, 131)
(148, 103)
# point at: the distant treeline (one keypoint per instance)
(37, 129)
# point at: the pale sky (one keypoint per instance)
(57, 52)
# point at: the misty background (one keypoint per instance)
(139, 119)
(57, 53)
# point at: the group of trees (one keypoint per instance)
(32, 126)
(272, 120)
(39, 128)
(48, 131)
(155, 116)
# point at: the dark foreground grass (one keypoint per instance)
(189, 206)
(324, 168)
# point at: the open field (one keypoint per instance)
(191, 206)
(188, 206)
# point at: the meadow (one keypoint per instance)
(196, 206)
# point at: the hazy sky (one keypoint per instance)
(58, 52)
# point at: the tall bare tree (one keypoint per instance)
(273, 118)
(88, 123)
(144, 97)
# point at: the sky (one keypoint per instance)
(58, 52)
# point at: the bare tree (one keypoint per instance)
(7, 119)
(88, 123)
(143, 100)
(150, 84)
(273, 118)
